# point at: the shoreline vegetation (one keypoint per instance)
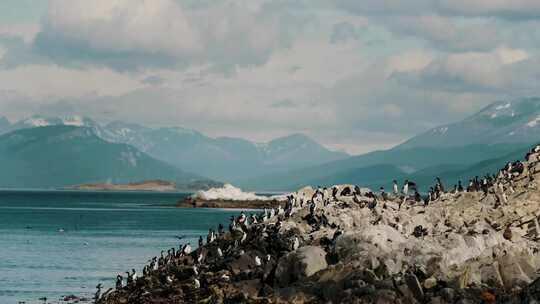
(343, 245)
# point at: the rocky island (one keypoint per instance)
(341, 245)
(230, 197)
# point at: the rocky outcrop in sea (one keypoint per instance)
(344, 245)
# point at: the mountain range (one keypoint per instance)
(225, 159)
(514, 121)
(60, 156)
(478, 144)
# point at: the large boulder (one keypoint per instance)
(511, 271)
(299, 264)
(490, 275)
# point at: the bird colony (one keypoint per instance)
(346, 245)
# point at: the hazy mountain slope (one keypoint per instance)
(516, 121)
(297, 149)
(232, 159)
(4, 124)
(224, 158)
(59, 156)
(407, 161)
(382, 175)
(451, 177)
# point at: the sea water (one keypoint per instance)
(58, 243)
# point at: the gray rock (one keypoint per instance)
(299, 264)
(511, 272)
(490, 275)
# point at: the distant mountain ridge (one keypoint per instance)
(381, 167)
(480, 142)
(498, 133)
(60, 156)
(513, 121)
(223, 158)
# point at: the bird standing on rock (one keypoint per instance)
(200, 258)
(406, 187)
(507, 234)
(257, 261)
(186, 250)
(295, 244)
(119, 280)
(396, 188)
(97, 295)
(201, 242)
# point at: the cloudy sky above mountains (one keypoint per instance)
(354, 74)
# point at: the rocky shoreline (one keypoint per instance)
(342, 246)
(190, 202)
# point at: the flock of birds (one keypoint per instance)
(266, 224)
(497, 184)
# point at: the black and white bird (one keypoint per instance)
(186, 250)
(295, 243)
(97, 295)
(119, 282)
(258, 261)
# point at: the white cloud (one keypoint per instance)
(409, 61)
(26, 31)
(446, 33)
(509, 56)
(46, 81)
(469, 71)
(163, 32)
(156, 26)
(504, 8)
(496, 8)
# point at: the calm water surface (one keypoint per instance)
(105, 233)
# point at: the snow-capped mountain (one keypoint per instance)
(42, 121)
(59, 156)
(509, 121)
(224, 158)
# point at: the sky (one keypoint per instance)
(356, 75)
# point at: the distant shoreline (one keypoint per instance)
(144, 186)
(7, 190)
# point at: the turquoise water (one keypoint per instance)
(105, 233)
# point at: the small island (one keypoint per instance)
(150, 185)
(230, 197)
